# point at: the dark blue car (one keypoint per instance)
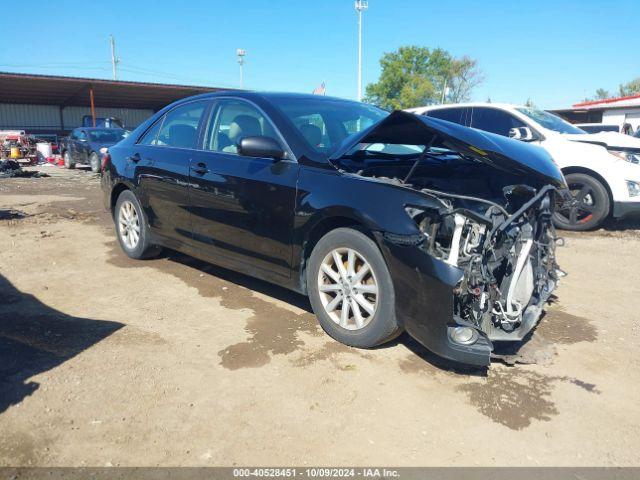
(84, 144)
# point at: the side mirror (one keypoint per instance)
(260, 146)
(523, 134)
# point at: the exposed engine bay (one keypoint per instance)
(508, 261)
(503, 239)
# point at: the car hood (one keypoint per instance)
(402, 127)
(611, 140)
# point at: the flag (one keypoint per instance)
(321, 90)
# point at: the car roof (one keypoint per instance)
(249, 95)
(98, 128)
(504, 106)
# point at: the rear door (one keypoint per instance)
(161, 161)
(243, 207)
(82, 152)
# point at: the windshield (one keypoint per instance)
(326, 122)
(550, 121)
(110, 135)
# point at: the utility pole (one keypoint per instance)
(241, 54)
(444, 90)
(360, 5)
(114, 60)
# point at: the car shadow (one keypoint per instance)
(35, 338)
(302, 302)
(632, 222)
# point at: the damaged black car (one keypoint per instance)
(388, 222)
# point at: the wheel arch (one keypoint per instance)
(117, 189)
(319, 230)
(595, 175)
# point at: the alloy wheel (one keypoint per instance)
(580, 208)
(129, 225)
(348, 288)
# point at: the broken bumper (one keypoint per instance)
(424, 302)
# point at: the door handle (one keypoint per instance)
(135, 158)
(200, 168)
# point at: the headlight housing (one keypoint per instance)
(630, 157)
(633, 188)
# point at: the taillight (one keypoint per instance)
(106, 158)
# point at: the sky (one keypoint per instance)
(555, 53)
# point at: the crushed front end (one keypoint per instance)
(475, 262)
(483, 274)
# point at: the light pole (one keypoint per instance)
(360, 5)
(241, 54)
(114, 60)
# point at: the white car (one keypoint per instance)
(602, 169)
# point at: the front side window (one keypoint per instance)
(180, 126)
(494, 121)
(549, 121)
(82, 135)
(232, 121)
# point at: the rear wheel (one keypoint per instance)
(588, 207)
(68, 162)
(131, 229)
(350, 289)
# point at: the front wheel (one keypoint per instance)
(350, 289)
(131, 229)
(588, 206)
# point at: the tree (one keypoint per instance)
(602, 94)
(529, 103)
(464, 76)
(413, 76)
(630, 88)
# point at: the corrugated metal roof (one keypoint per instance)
(68, 91)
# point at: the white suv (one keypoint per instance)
(602, 169)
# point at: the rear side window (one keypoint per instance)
(494, 121)
(179, 127)
(151, 136)
(455, 115)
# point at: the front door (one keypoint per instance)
(242, 207)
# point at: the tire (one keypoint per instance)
(94, 161)
(127, 215)
(68, 162)
(371, 329)
(590, 207)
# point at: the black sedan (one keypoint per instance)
(388, 222)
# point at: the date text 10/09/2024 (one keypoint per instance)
(316, 472)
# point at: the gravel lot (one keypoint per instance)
(109, 361)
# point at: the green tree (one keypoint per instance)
(413, 76)
(602, 94)
(630, 88)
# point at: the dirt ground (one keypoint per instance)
(110, 361)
